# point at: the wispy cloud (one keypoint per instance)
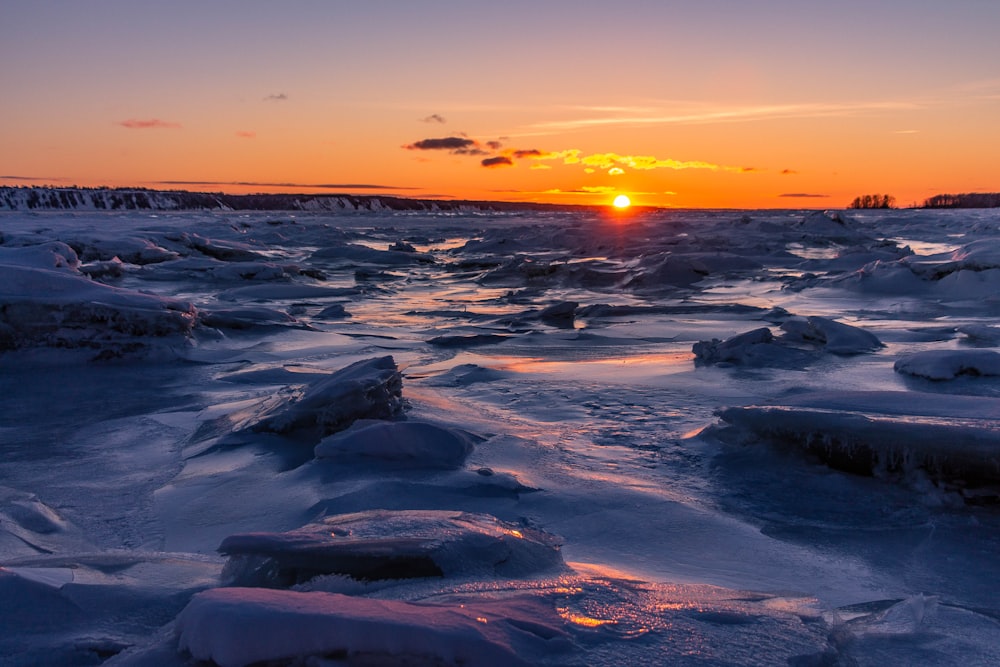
(434, 118)
(34, 179)
(788, 172)
(246, 134)
(803, 195)
(701, 115)
(148, 124)
(499, 161)
(323, 186)
(638, 162)
(276, 97)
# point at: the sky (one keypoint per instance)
(715, 103)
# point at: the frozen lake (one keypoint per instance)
(670, 437)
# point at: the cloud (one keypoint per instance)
(538, 165)
(442, 144)
(148, 124)
(640, 162)
(434, 118)
(323, 186)
(246, 134)
(529, 153)
(803, 195)
(276, 97)
(499, 161)
(701, 114)
(788, 172)
(615, 171)
(34, 179)
(494, 145)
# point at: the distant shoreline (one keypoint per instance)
(51, 198)
(74, 198)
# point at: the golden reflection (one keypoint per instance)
(584, 621)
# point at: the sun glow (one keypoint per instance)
(622, 202)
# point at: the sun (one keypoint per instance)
(622, 202)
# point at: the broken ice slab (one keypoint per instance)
(384, 544)
(951, 438)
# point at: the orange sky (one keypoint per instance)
(781, 104)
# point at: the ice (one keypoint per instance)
(727, 418)
(801, 339)
(867, 433)
(382, 544)
(46, 301)
(242, 626)
(949, 364)
(419, 444)
(368, 389)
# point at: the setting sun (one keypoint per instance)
(622, 201)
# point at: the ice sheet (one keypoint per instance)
(623, 388)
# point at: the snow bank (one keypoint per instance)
(242, 626)
(419, 444)
(384, 544)
(949, 364)
(367, 389)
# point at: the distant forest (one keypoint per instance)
(967, 200)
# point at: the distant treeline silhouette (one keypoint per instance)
(129, 199)
(874, 201)
(966, 200)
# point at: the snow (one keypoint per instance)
(676, 437)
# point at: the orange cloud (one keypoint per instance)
(246, 134)
(150, 124)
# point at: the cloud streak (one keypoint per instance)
(803, 195)
(246, 134)
(434, 118)
(276, 97)
(728, 115)
(323, 186)
(148, 124)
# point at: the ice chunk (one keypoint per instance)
(367, 389)
(949, 364)
(559, 314)
(384, 544)
(833, 337)
(956, 440)
(418, 444)
(242, 626)
(244, 318)
(756, 348)
(759, 347)
(59, 307)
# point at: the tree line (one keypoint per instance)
(966, 200)
(874, 201)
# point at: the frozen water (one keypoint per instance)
(674, 437)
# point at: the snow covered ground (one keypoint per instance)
(675, 437)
